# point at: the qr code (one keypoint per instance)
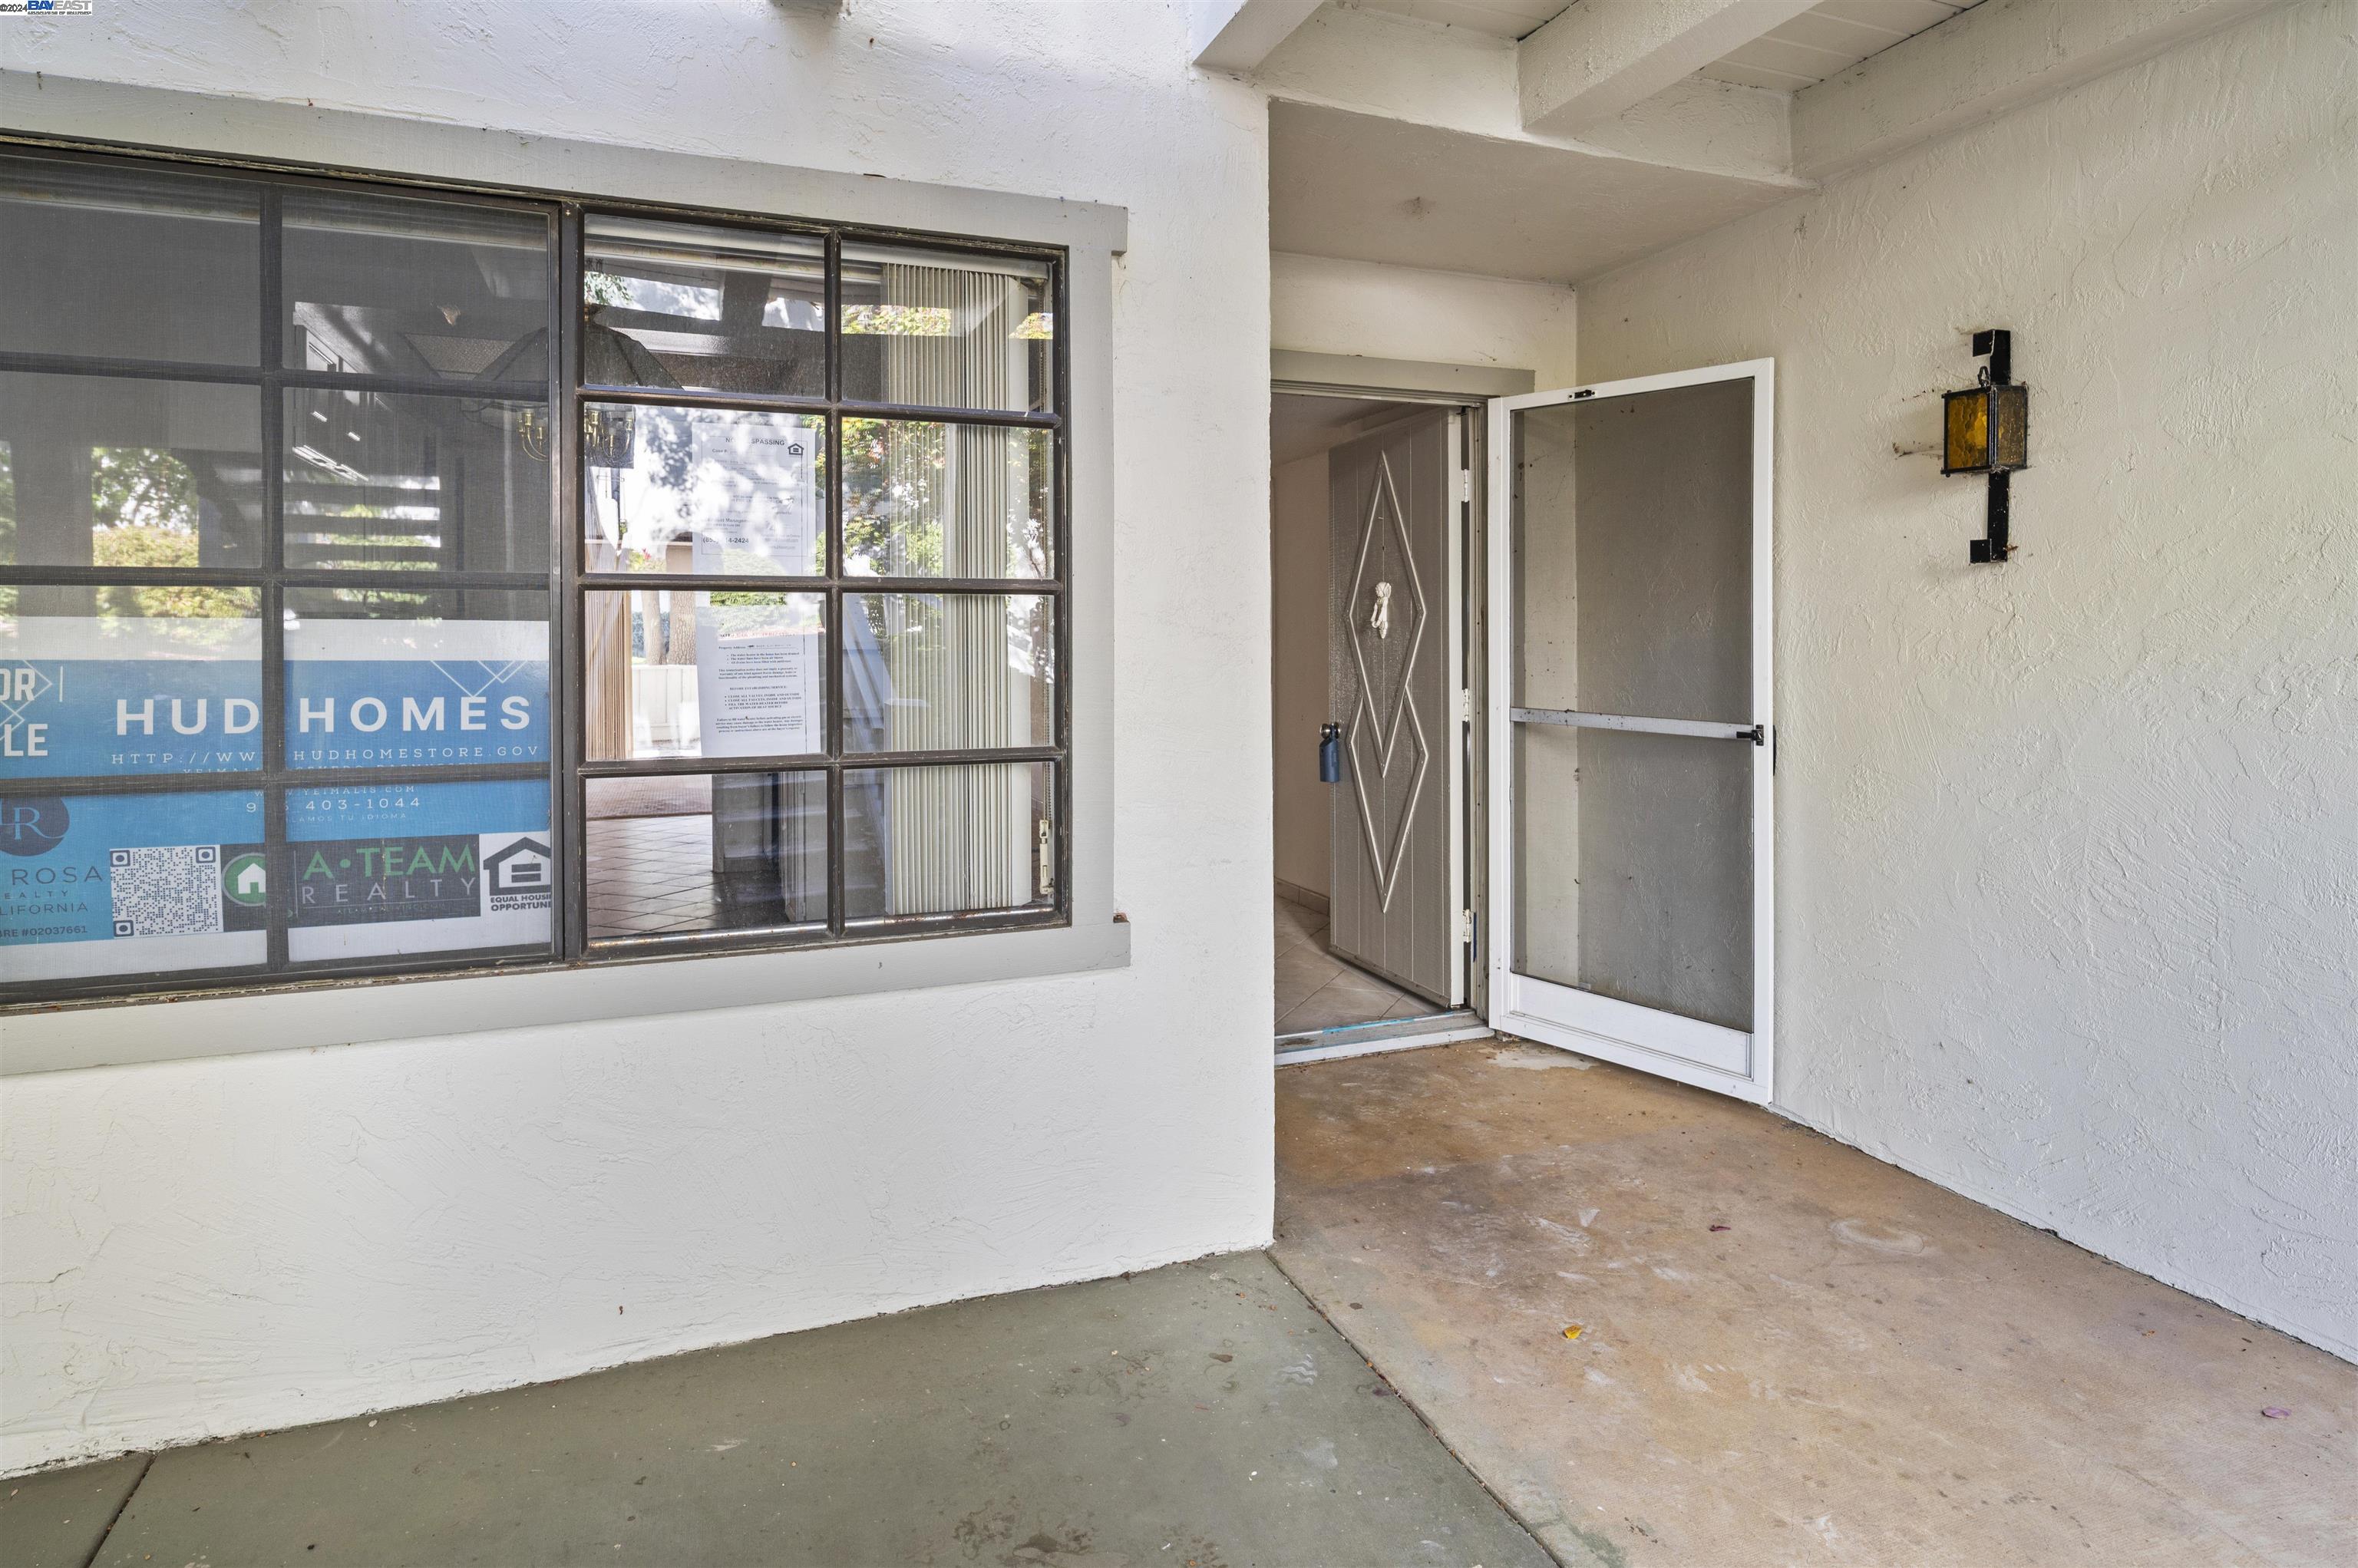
(166, 892)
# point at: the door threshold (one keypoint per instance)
(1390, 1034)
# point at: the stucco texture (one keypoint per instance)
(2068, 848)
(211, 1246)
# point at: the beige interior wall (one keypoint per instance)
(1298, 589)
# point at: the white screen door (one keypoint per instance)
(1631, 739)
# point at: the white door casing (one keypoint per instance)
(1708, 1053)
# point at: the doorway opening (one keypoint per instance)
(1371, 521)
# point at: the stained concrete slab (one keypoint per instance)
(1860, 1369)
(1200, 1416)
(57, 1519)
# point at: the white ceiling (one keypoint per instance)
(1823, 41)
(1344, 184)
(1300, 425)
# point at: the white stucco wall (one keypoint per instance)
(209, 1246)
(2068, 848)
(1319, 305)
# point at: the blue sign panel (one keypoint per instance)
(83, 696)
(375, 694)
(130, 884)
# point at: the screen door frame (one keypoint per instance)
(1691, 1051)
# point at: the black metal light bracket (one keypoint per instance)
(1987, 432)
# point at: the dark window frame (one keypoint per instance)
(565, 586)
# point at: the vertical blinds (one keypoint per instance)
(960, 835)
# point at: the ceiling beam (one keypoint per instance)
(1980, 64)
(1236, 34)
(1602, 57)
(1458, 79)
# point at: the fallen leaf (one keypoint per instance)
(1571, 1331)
(2276, 1413)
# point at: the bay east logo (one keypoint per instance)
(33, 825)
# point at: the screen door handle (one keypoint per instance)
(1701, 729)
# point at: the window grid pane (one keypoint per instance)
(421, 670)
(390, 525)
(936, 702)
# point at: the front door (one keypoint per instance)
(1391, 525)
(1631, 744)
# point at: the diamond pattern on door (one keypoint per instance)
(1385, 574)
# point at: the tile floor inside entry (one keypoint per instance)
(649, 843)
(649, 875)
(1202, 1415)
(1317, 991)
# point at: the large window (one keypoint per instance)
(397, 579)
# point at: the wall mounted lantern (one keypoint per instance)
(1986, 430)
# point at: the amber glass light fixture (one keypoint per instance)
(1988, 430)
(1985, 429)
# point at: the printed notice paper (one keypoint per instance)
(740, 491)
(754, 493)
(757, 694)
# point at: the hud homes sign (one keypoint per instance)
(112, 883)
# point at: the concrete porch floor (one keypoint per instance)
(1198, 1416)
(1861, 1368)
